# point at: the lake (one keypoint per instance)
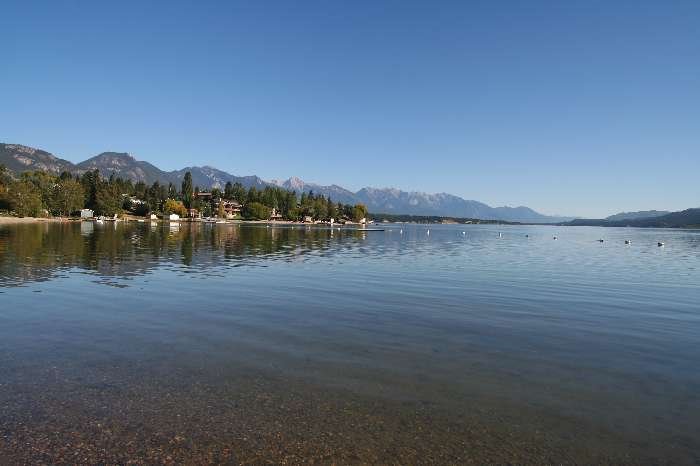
(441, 344)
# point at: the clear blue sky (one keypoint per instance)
(582, 108)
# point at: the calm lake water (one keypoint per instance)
(236, 343)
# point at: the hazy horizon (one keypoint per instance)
(583, 110)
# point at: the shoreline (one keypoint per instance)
(8, 220)
(15, 220)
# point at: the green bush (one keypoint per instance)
(256, 211)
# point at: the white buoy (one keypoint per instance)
(464, 233)
(401, 231)
(500, 235)
(428, 233)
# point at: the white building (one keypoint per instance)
(86, 213)
(173, 217)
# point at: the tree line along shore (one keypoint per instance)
(40, 194)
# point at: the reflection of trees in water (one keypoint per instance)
(35, 252)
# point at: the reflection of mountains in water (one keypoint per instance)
(38, 252)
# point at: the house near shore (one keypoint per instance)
(194, 213)
(86, 213)
(231, 208)
(275, 215)
(204, 196)
(308, 219)
(173, 217)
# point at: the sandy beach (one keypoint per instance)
(13, 220)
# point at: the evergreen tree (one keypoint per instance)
(108, 200)
(140, 190)
(187, 190)
(5, 177)
(238, 192)
(90, 180)
(332, 210)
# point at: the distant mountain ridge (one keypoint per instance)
(637, 215)
(689, 218)
(123, 165)
(395, 201)
(20, 158)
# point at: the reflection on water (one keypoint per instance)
(39, 251)
(350, 346)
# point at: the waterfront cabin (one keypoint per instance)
(275, 215)
(194, 213)
(173, 217)
(231, 208)
(87, 213)
(204, 196)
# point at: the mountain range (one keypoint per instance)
(18, 158)
(637, 215)
(689, 218)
